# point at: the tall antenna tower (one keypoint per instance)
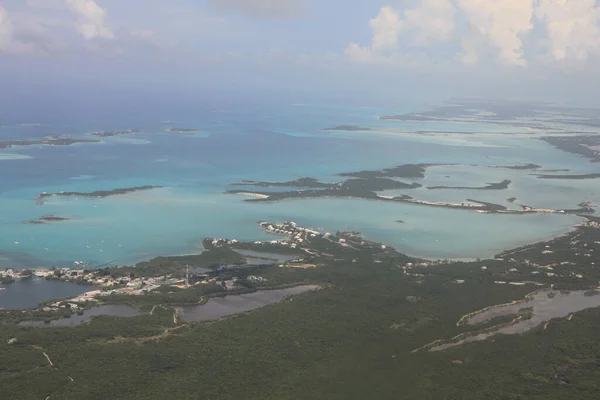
(187, 276)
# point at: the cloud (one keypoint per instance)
(431, 22)
(28, 38)
(260, 8)
(571, 26)
(489, 29)
(6, 30)
(91, 19)
(500, 23)
(386, 27)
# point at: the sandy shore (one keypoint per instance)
(262, 196)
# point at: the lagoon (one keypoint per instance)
(121, 311)
(29, 293)
(220, 307)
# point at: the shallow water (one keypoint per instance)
(219, 307)
(121, 311)
(545, 308)
(263, 258)
(29, 293)
(263, 142)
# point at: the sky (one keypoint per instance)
(393, 49)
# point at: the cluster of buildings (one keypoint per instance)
(296, 235)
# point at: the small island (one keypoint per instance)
(415, 171)
(114, 133)
(521, 167)
(349, 128)
(98, 193)
(301, 182)
(182, 130)
(50, 141)
(576, 177)
(46, 219)
(490, 186)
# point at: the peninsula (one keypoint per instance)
(587, 146)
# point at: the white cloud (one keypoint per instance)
(386, 27)
(501, 23)
(13, 40)
(572, 27)
(432, 21)
(260, 8)
(91, 19)
(6, 30)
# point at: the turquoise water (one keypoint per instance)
(265, 142)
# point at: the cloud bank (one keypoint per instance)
(498, 30)
(91, 19)
(260, 8)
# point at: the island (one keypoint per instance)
(580, 176)
(415, 171)
(182, 130)
(114, 133)
(520, 167)
(47, 218)
(98, 193)
(490, 186)
(349, 128)
(51, 141)
(366, 185)
(301, 182)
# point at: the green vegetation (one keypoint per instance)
(581, 145)
(354, 339)
(212, 258)
(168, 296)
(402, 171)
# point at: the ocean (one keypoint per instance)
(264, 141)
